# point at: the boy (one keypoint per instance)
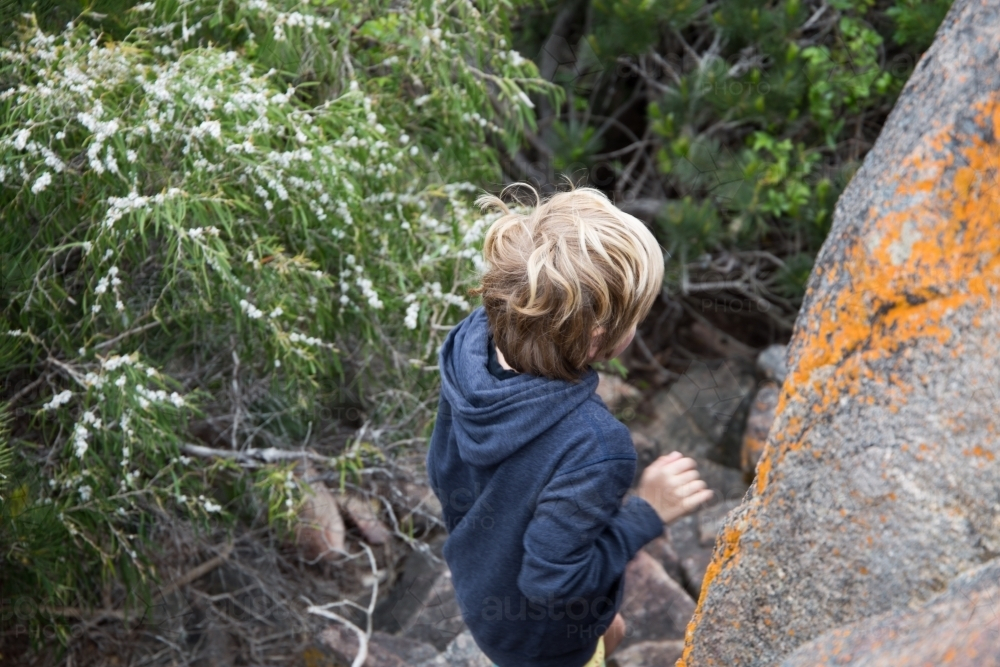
(529, 465)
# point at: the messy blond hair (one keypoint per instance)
(557, 273)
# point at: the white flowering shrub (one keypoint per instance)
(232, 192)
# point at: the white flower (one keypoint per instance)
(85, 492)
(41, 183)
(404, 138)
(120, 382)
(80, 435)
(251, 310)
(61, 398)
(411, 315)
(21, 139)
(209, 505)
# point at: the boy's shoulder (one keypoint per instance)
(600, 437)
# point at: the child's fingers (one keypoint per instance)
(681, 465)
(679, 480)
(691, 488)
(698, 499)
(665, 460)
(670, 458)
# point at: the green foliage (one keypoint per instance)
(757, 112)
(221, 210)
(690, 228)
(635, 25)
(917, 20)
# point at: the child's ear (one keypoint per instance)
(595, 343)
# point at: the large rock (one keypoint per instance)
(880, 481)
(959, 628)
(772, 363)
(422, 604)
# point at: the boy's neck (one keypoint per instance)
(503, 362)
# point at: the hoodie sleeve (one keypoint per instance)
(581, 537)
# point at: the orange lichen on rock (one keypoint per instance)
(906, 279)
(916, 271)
(726, 554)
(885, 301)
(979, 451)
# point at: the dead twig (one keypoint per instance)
(363, 635)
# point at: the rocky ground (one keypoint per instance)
(717, 412)
(259, 597)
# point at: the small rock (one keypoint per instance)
(320, 528)
(343, 643)
(654, 605)
(411, 651)
(362, 514)
(463, 652)
(758, 426)
(648, 654)
(664, 553)
(772, 363)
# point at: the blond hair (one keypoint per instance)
(556, 274)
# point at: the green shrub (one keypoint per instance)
(757, 114)
(227, 211)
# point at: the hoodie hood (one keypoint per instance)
(494, 418)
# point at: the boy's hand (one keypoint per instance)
(672, 486)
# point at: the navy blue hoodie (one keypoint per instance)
(531, 474)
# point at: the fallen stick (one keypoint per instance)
(253, 457)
